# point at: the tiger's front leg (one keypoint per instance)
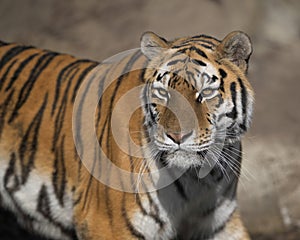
(101, 212)
(98, 213)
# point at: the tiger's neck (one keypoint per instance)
(205, 204)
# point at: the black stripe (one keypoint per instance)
(243, 126)
(81, 77)
(78, 137)
(98, 156)
(144, 159)
(100, 92)
(79, 162)
(206, 36)
(223, 75)
(244, 96)
(11, 53)
(78, 198)
(129, 225)
(108, 208)
(4, 76)
(154, 215)
(233, 113)
(106, 191)
(180, 46)
(63, 75)
(173, 63)
(59, 173)
(154, 73)
(29, 143)
(28, 85)
(211, 38)
(19, 70)
(87, 197)
(126, 72)
(44, 207)
(222, 85)
(213, 79)
(4, 108)
(133, 183)
(60, 117)
(22, 216)
(207, 42)
(79, 116)
(199, 51)
(206, 46)
(208, 119)
(191, 80)
(143, 72)
(43, 203)
(199, 62)
(97, 159)
(10, 175)
(147, 105)
(160, 76)
(220, 101)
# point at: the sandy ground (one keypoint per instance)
(269, 192)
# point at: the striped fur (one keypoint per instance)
(44, 182)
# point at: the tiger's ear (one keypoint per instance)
(152, 45)
(236, 47)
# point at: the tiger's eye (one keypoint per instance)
(162, 92)
(207, 92)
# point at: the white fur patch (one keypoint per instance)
(26, 199)
(183, 159)
(147, 226)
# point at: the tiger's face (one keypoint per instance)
(197, 97)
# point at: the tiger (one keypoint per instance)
(192, 105)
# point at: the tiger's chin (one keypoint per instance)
(184, 159)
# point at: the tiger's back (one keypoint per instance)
(36, 87)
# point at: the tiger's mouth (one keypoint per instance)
(184, 149)
(183, 156)
(184, 159)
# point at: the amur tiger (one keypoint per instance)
(192, 103)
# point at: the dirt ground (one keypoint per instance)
(269, 192)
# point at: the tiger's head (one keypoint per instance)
(197, 96)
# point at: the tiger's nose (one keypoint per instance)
(179, 137)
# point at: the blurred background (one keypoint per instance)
(269, 192)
